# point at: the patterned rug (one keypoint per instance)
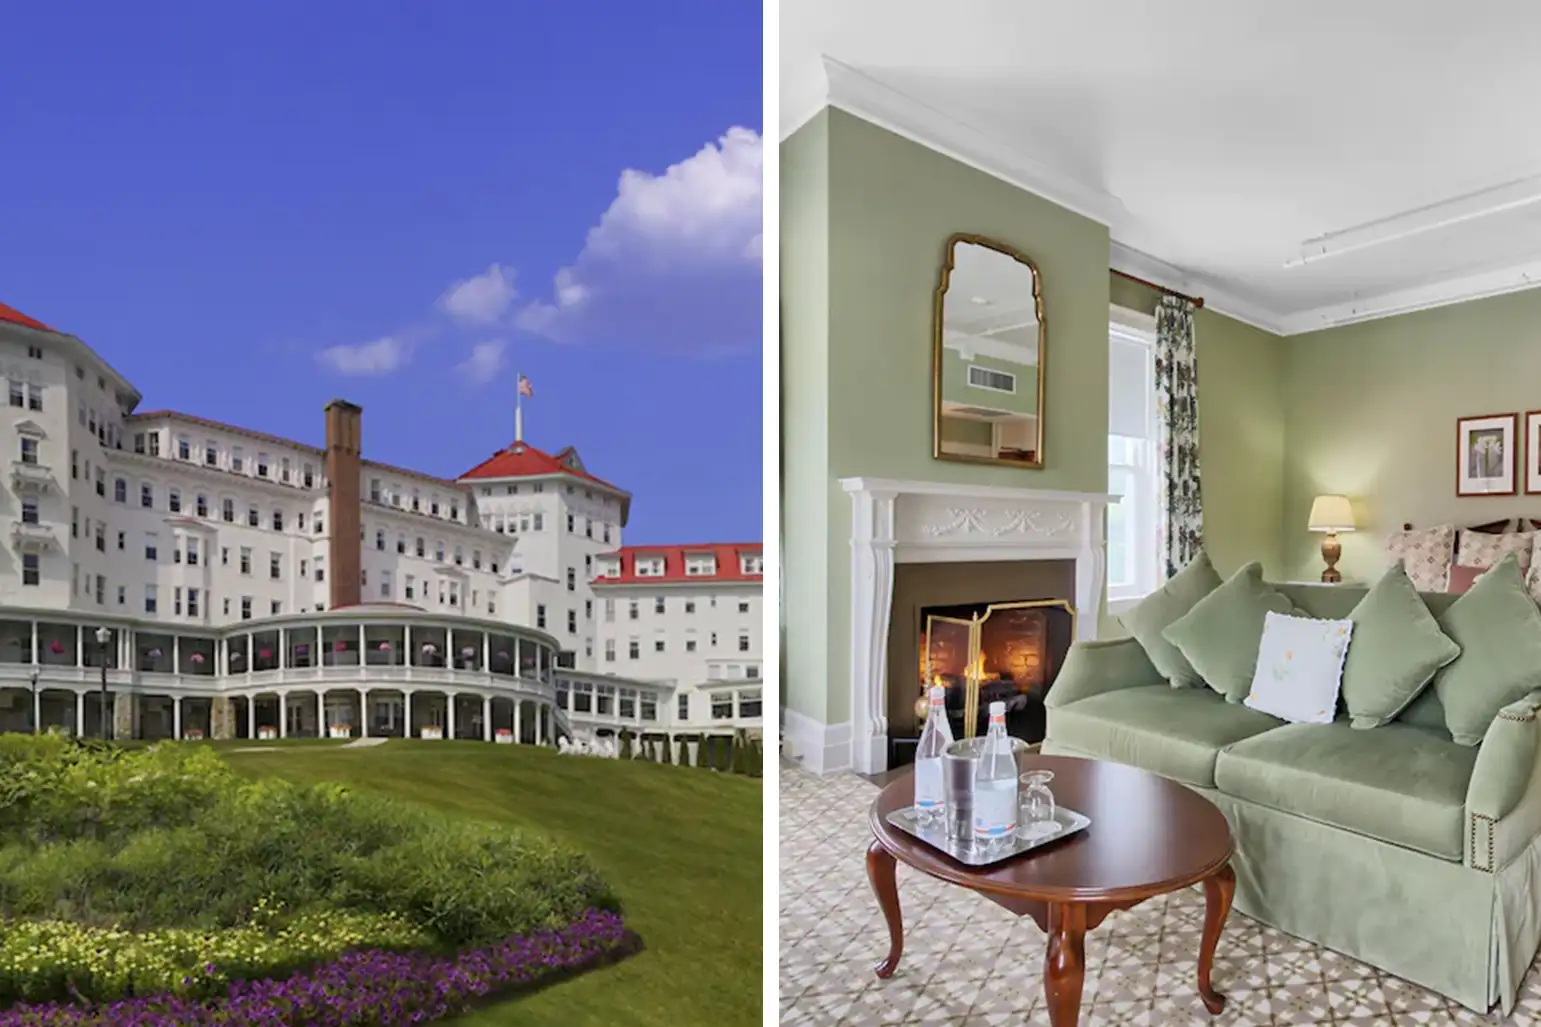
(967, 961)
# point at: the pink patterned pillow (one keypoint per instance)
(1463, 577)
(1425, 553)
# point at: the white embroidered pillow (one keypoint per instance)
(1479, 549)
(1533, 578)
(1300, 668)
(1426, 554)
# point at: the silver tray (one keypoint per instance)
(1066, 822)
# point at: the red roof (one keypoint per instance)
(15, 316)
(729, 567)
(522, 460)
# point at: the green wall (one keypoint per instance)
(805, 556)
(1241, 434)
(1372, 410)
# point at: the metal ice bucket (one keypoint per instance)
(958, 761)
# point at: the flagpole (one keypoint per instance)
(518, 409)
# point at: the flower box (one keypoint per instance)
(267, 734)
(429, 733)
(339, 731)
(193, 734)
(503, 736)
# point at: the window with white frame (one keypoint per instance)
(1134, 524)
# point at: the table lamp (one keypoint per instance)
(1331, 514)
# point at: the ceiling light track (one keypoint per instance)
(1454, 211)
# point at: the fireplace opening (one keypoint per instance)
(992, 652)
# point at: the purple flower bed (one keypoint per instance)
(361, 989)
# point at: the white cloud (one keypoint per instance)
(481, 299)
(484, 363)
(370, 358)
(674, 262)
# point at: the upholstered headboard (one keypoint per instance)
(1496, 527)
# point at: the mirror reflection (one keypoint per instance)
(988, 354)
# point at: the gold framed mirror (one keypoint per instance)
(989, 338)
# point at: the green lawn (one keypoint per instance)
(681, 846)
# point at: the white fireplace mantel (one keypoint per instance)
(895, 522)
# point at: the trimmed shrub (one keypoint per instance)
(703, 747)
(626, 748)
(666, 750)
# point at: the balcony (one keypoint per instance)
(29, 537)
(30, 477)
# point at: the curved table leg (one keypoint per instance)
(1219, 888)
(1064, 963)
(881, 873)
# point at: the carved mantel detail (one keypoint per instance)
(931, 522)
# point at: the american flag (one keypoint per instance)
(525, 388)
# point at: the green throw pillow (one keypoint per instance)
(1221, 634)
(1498, 628)
(1396, 650)
(1157, 611)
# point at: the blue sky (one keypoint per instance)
(250, 209)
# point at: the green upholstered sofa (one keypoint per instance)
(1394, 845)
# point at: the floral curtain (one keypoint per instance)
(1177, 407)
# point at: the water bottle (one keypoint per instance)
(995, 784)
(930, 791)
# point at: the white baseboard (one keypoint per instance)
(821, 748)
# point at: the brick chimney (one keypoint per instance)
(344, 447)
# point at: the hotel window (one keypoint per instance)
(309, 477)
(658, 645)
(682, 707)
(150, 601)
(101, 483)
(607, 531)
(749, 703)
(433, 506)
(604, 696)
(588, 609)
(419, 545)
(401, 545)
(583, 697)
(417, 501)
(246, 607)
(246, 559)
(153, 439)
(572, 580)
(460, 556)
(609, 611)
(210, 454)
(633, 649)
(438, 551)
(628, 705)
(119, 487)
(609, 650)
(253, 517)
(539, 518)
(320, 568)
(700, 566)
(192, 552)
(658, 604)
(1134, 522)
(237, 459)
(476, 559)
(201, 505)
(649, 706)
(690, 645)
(192, 602)
(374, 490)
(146, 496)
(572, 622)
(29, 511)
(454, 511)
(722, 705)
(743, 606)
(176, 601)
(275, 566)
(632, 609)
(540, 616)
(18, 397)
(227, 510)
(174, 500)
(278, 520)
(151, 550)
(184, 448)
(385, 584)
(411, 587)
(743, 643)
(380, 541)
(262, 465)
(28, 450)
(283, 470)
(690, 606)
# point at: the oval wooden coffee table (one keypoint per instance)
(1148, 836)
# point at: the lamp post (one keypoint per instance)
(103, 636)
(36, 726)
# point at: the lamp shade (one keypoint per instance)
(1331, 513)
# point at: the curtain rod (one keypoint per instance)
(1197, 301)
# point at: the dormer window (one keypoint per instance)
(752, 563)
(700, 566)
(649, 566)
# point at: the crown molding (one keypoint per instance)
(1142, 265)
(832, 83)
(1443, 293)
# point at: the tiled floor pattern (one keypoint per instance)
(969, 962)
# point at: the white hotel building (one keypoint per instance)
(193, 578)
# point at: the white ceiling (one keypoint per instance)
(1216, 137)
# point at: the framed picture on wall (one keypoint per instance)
(1487, 455)
(1533, 451)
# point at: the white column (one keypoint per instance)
(34, 660)
(540, 724)
(80, 714)
(486, 713)
(283, 714)
(406, 712)
(486, 653)
(251, 716)
(80, 645)
(449, 715)
(251, 654)
(518, 721)
(176, 717)
(37, 710)
(406, 645)
(283, 648)
(363, 713)
(176, 654)
(361, 649)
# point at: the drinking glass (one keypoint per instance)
(1037, 815)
